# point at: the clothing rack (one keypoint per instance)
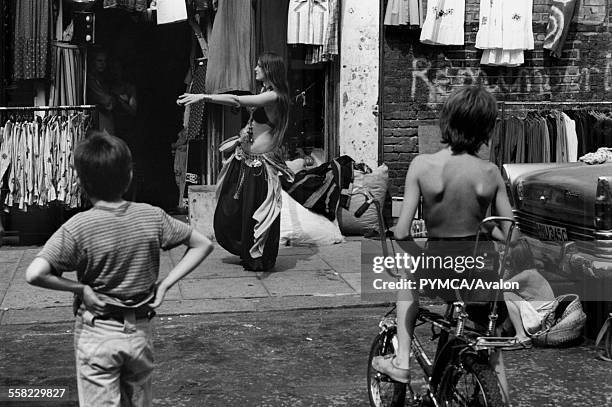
(61, 212)
(43, 108)
(52, 108)
(545, 103)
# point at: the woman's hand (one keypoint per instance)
(190, 98)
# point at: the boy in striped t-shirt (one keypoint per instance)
(114, 247)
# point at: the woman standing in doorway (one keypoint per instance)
(247, 221)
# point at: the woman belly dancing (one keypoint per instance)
(247, 216)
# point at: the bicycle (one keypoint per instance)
(460, 374)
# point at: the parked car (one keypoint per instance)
(565, 212)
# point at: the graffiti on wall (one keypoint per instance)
(435, 83)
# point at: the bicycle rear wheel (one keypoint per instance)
(473, 384)
(382, 391)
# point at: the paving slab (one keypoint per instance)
(200, 306)
(38, 315)
(23, 295)
(212, 269)
(313, 282)
(7, 271)
(10, 255)
(294, 250)
(352, 279)
(312, 302)
(239, 287)
(343, 257)
(300, 262)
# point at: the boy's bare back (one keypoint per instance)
(457, 191)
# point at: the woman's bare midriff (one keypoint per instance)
(263, 139)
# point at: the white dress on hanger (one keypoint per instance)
(505, 31)
(444, 23)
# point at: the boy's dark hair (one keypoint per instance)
(467, 118)
(104, 166)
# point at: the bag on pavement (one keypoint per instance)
(563, 324)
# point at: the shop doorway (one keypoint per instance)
(154, 59)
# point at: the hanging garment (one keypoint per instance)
(520, 143)
(129, 5)
(196, 111)
(552, 133)
(5, 148)
(518, 24)
(505, 30)
(331, 46)
(171, 11)
(271, 26)
(545, 150)
(404, 12)
(572, 138)
(324, 188)
(33, 36)
(490, 32)
(230, 59)
(397, 13)
(602, 130)
(495, 144)
(444, 23)
(561, 13)
(327, 52)
(307, 22)
(561, 146)
(38, 157)
(502, 57)
(67, 86)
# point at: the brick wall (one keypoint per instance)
(418, 77)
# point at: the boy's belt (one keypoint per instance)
(118, 313)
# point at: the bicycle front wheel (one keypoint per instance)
(473, 384)
(382, 391)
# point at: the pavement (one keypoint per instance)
(303, 278)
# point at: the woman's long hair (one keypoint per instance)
(275, 72)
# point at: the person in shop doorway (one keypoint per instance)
(247, 216)
(125, 119)
(99, 83)
(457, 190)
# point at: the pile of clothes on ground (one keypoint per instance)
(319, 206)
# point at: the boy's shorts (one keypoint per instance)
(114, 360)
(460, 260)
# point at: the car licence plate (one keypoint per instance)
(548, 232)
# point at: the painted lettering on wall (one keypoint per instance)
(432, 82)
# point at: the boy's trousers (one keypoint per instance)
(114, 360)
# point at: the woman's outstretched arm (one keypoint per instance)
(262, 99)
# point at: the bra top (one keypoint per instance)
(260, 116)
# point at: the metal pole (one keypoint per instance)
(44, 108)
(85, 77)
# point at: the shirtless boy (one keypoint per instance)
(458, 189)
